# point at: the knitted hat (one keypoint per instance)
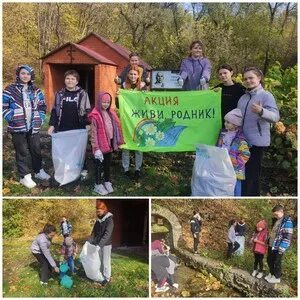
(235, 117)
(68, 241)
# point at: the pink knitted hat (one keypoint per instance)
(235, 117)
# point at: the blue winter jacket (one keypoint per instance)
(283, 236)
(14, 112)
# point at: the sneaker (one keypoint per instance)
(260, 275)
(27, 181)
(108, 187)
(137, 174)
(254, 273)
(42, 175)
(165, 284)
(273, 279)
(127, 174)
(84, 174)
(43, 283)
(175, 285)
(100, 189)
(268, 276)
(161, 289)
(104, 282)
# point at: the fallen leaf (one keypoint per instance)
(5, 191)
(185, 294)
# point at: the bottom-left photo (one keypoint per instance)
(75, 247)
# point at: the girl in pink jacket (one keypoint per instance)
(259, 240)
(106, 137)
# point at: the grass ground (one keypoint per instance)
(21, 275)
(217, 213)
(163, 174)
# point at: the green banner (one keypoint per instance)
(169, 121)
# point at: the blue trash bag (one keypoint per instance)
(63, 269)
(66, 282)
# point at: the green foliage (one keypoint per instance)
(235, 33)
(21, 275)
(28, 216)
(282, 153)
(12, 219)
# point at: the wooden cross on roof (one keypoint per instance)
(70, 53)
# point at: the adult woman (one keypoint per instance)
(40, 249)
(102, 236)
(231, 91)
(259, 109)
(195, 70)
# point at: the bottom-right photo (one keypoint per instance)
(224, 247)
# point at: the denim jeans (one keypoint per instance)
(71, 264)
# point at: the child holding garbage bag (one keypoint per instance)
(102, 236)
(71, 107)
(232, 139)
(106, 137)
(40, 249)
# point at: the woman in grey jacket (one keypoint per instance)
(259, 110)
(40, 249)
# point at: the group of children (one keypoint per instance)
(259, 242)
(273, 243)
(247, 124)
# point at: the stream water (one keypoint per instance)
(192, 283)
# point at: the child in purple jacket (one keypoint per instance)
(232, 139)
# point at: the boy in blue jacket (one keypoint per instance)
(279, 241)
(24, 108)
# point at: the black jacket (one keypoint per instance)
(195, 225)
(240, 229)
(102, 231)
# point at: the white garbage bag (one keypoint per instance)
(68, 154)
(90, 260)
(241, 241)
(213, 173)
